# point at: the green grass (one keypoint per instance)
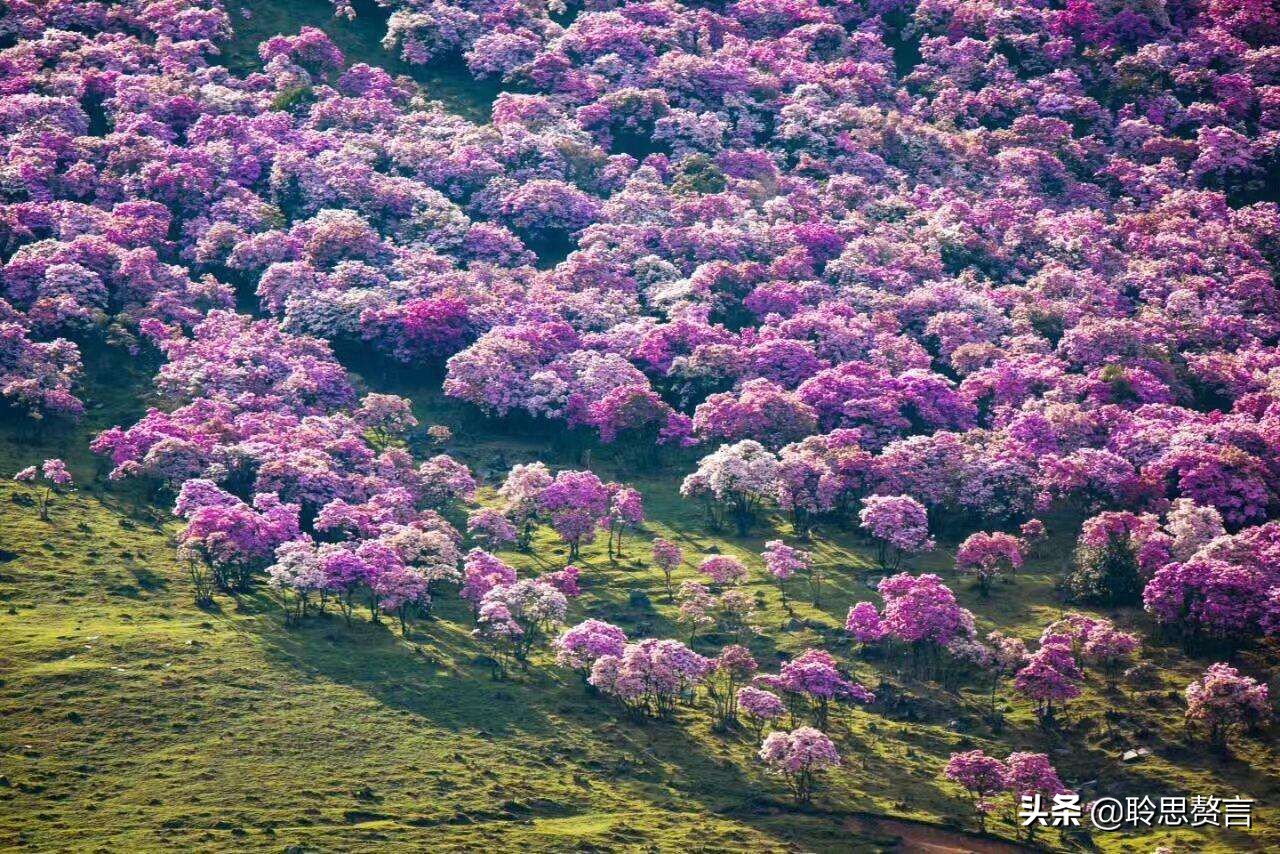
(131, 720)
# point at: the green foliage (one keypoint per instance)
(1107, 576)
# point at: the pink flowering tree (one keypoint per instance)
(626, 512)
(1223, 701)
(734, 482)
(900, 526)
(579, 647)
(784, 562)
(667, 556)
(575, 503)
(1028, 775)
(810, 682)
(732, 668)
(921, 614)
(53, 477)
(491, 528)
(514, 618)
(1050, 677)
(986, 555)
(799, 757)
(481, 572)
(649, 676)
(520, 493)
(723, 570)
(982, 777)
(760, 707)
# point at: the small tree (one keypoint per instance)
(1030, 774)
(900, 526)
(783, 561)
(760, 707)
(54, 478)
(799, 756)
(1222, 701)
(667, 556)
(981, 776)
(734, 666)
(626, 511)
(985, 555)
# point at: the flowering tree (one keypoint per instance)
(1031, 774)
(626, 511)
(810, 681)
(900, 525)
(783, 562)
(980, 775)
(723, 569)
(799, 757)
(1050, 676)
(520, 493)
(481, 573)
(1223, 700)
(649, 676)
(575, 503)
(760, 707)
(514, 618)
(985, 555)
(667, 556)
(54, 476)
(735, 479)
(579, 647)
(730, 669)
(491, 528)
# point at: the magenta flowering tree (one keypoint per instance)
(649, 676)
(799, 756)
(864, 624)
(53, 477)
(667, 556)
(985, 555)
(579, 647)
(520, 493)
(900, 526)
(1050, 677)
(723, 570)
(565, 580)
(784, 562)
(575, 503)
(1028, 775)
(234, 538)
(481, 572)
(733, 667)
(982, 777)
(760, 707)
(514, 618)
(626, 511)
(1222, 701)
(922, 613)
(491, 528)
(1208, 599)
(760, 410)
(810, 682)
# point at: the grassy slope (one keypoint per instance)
(131, 719)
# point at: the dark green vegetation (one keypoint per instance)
(132, 720)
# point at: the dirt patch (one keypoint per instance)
(929, 839)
